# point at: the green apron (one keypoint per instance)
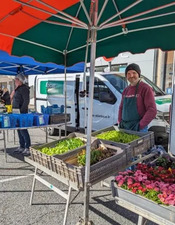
(130, 116)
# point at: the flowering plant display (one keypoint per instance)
(154, 182)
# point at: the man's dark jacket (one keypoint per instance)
(21, 98)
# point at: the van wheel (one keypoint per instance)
(53, 131)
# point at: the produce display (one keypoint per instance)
(97, 155)
(153, 181)
(63, 146)
(117, 136)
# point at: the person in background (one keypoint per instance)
(137, 108)
(169, 89)
(20, 101)
(1, 91)
(5, 98)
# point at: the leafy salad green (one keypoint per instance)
(63, 146)
(117, 136)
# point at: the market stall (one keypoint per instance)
(64, 160)
(120, 27)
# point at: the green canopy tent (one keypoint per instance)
(47, 30)
(66, 32)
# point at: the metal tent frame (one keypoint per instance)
(93, 17)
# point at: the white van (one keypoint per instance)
(108, 89)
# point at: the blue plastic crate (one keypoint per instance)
(5, 121)
(43, 109)
(1, 121)
(62, 109)
(23, 119)
(48, 110)
(13, 120)
(38, 120)
(46, 119)
(54, 106)
(54, 109)
(29, 120)
(57, 110)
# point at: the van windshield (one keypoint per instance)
(119, 82)
(156, 89)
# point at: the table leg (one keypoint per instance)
(141, 220)
(14, 140)
(33, 186)
(67, 206)
(8, 136)
(5, 152)
(59, 132)
(46, 135)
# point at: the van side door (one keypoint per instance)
(105, 109)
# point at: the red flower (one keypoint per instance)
(136, 185)
(144, 189)
(134, 190)
(140, 188)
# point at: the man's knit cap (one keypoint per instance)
(133, 66)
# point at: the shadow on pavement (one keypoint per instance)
(110, 204)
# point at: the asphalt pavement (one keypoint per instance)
(48, 207)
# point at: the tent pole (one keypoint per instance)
(35, 93)
(65, 90)
(94, 8)
(85, 85)
(172, 119)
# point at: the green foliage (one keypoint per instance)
(63, 146)
(165, 162)
(96, 156)
(117, 136)
(153, 195)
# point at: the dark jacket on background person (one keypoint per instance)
(1, 92)
(21, 98)
(6, 98)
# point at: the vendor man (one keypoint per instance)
(20, 102)
(137, 108)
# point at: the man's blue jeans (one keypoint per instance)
(24, 138)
